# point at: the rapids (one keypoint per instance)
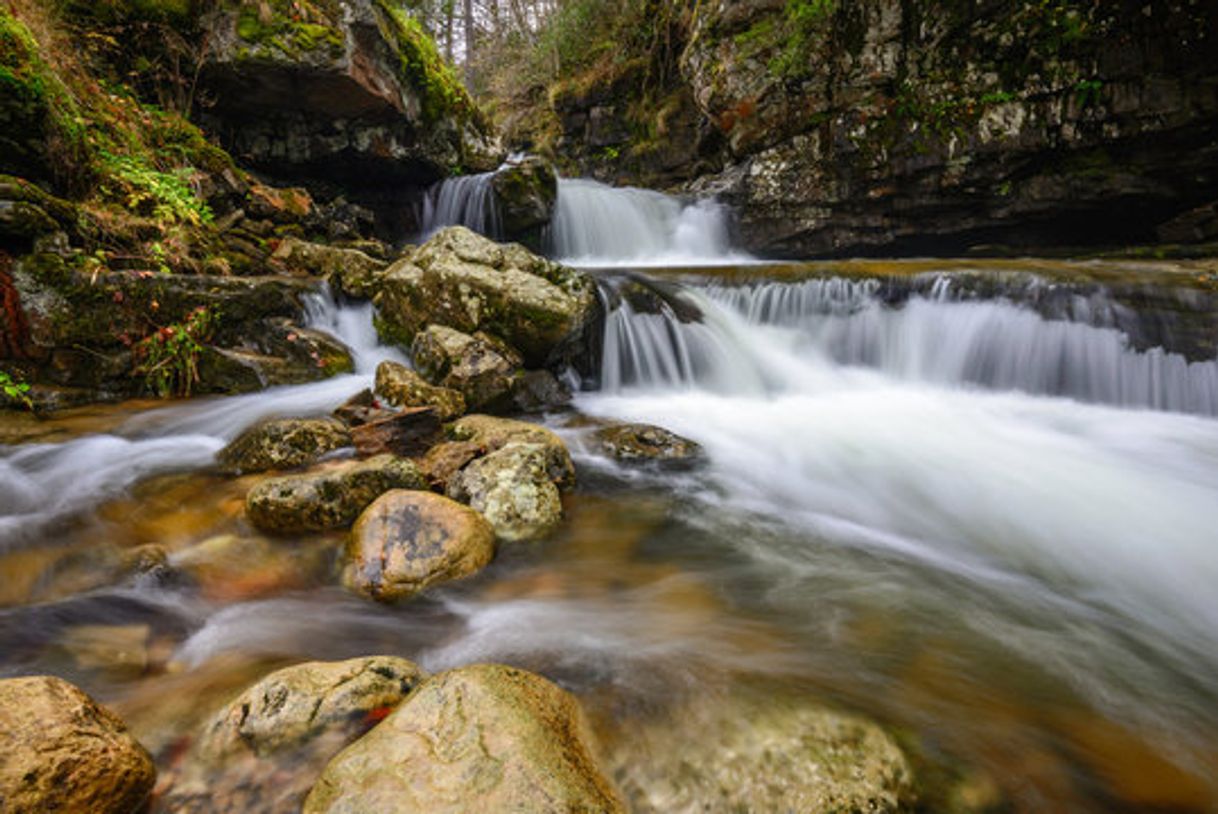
(977, 505)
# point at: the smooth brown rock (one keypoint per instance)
(60, 751)
(407, 433)
(408, 540)
(648, 444)
(483, 738)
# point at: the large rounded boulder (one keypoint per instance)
(466, 282)
(408, 540)
(401, 386)
(483, 370)
(284, 443)
(480, 738)
(264, 749)
(512, 488)
(60, 751)
(526, 190)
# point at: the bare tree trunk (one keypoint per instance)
(450, 11)
(469, 42)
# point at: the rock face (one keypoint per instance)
(648, 444)
(328, 498)
(401, 386)
(408, 540)
(934, 126)
(59, 751)
(770, 754)
(512, 488)
(464, 281)
(480, 368)
(263, 751)
(347, 93)
(480, 738)
(284, 443)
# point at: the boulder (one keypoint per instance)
(771, 753)
(328, 498)
(402, 387)
(479, 367)
(406, 541)
(647, 444)
(263, 751)
(513, 489)
(525, 192)
(536, 391)
(490, 433)
(284, 443)
(348, 270)
(480, 738)
(466, 282)
(60, 751)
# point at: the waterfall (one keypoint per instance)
(790, 336)
(599, 225)
(468, 200)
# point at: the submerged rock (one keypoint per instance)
(762, 754)
(513, 489)
(480, 738)
(284, 443)
(408, 540)
(262, 751)
(328, 498)
(466, 282)
(648, 444)
(482, 369)
(60, 751)
(402, 387)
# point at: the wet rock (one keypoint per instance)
(525, 191)
(60, 751)
(328, 498)
(407, 433)
(119, 651)
(480, 738)
(536, 391)
(406, 541)
(360, 409)
(445, 460)
(482, 369)
(648, 444)
(513, 489)
(401, 386)
(284, 443)
(264, 750)
(229, 567)
(350, 271)
(466, 282)
(490, 433)
(762, 754)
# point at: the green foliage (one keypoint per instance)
(169, 358)
(424, 68)
(167, 197)
(1088, 92)
(804, 23)
(15, 391)
(293, 28)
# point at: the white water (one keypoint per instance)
(41, 483)
(598, 225)
(468, 200)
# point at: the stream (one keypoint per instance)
(972, 500)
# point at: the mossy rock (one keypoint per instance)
(283, 443)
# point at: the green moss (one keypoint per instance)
(176, 12)
(422, 67)
(292, 29)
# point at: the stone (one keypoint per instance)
(263, 751)
(480, 368)
(350, 271)
(525, 192)
(328, 498)
(770, 753)
(60, 751)
(512, 488)
(536, 391)
(461, 280)
(480, 738)
(360, 409)
(490, 433)
(408, 540)
(406, 433)
(647, 444)
(284, 443)
(400, 386)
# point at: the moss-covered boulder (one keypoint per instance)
(329, 498)
(60, 751)
(402, 387)
(512, 488)
(526, 190)
(408, 540)
(483, 370)
(350, 271)
(464, 281)
(481, 738)
(283, 443)
(264, 749)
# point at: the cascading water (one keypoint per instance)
(468, 200)
(598, 225)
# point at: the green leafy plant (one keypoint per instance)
(165, 196)
(15, 391)
(169, 358)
